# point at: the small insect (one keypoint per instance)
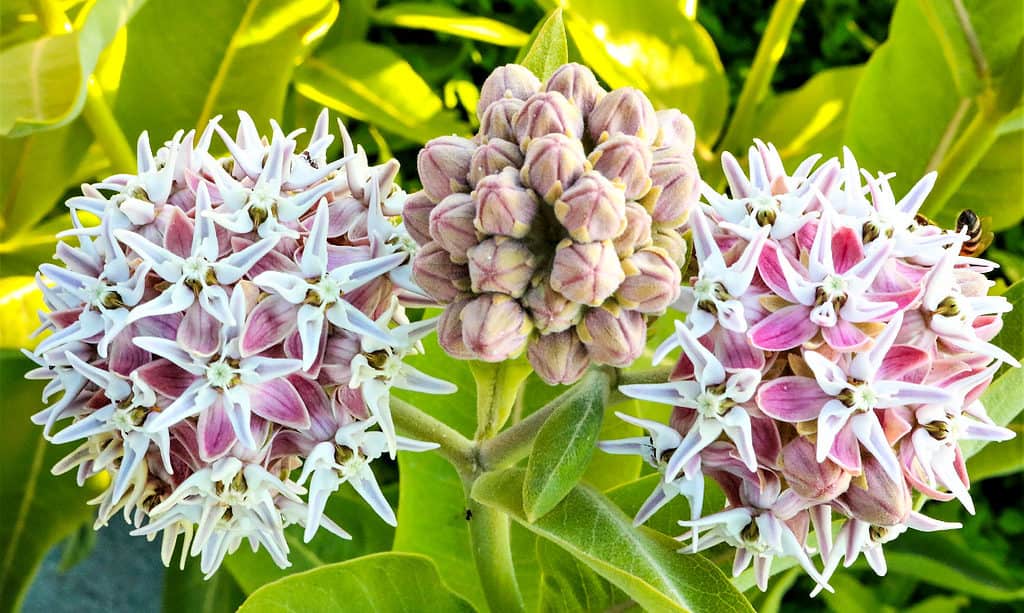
(979, 237)
(309, 159)
(469, 514)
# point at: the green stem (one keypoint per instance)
(96, 111)
(759, 80)
(967, 151)
(497, 385)
(454, 447)
(492, 552)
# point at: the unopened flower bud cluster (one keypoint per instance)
(225, 341)
(555, 229)
(834, 350)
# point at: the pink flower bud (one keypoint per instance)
(449, 331)
(443, 164)
(623, 111)
(547, 113)
(626, 159)
(677, 130)
(880, 501)
(553, 163)
(638, 231)
(508, 81)
(435, 273)
(587, 273)
(495, 327)
(492, 157)
(416, 216)
(501, 265)
(593, 209)
(673, 243)
(613, 336)
(652, 281)
(578, 84)
(551, 311)
(559, 358)
(503, 205)
(813, 480)
(498, 120)
(675, 189)
(451, 225)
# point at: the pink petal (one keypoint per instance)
(323, 423)
(274, 260)
(178, 235)
(735, 351)
(166, 378)
(792, 399)
(215, 432)
(786, 328)
(124, 356)
(772, 273)
(906, 363)
(268, 324)
(844, 336)
(199, 331)
(276, 400)
(765, 437)
(846, 449)
(847, 250)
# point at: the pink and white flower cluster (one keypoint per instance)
(834, 350)
(225, 341)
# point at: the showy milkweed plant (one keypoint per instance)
(225, 343)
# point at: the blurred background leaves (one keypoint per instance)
(911, 86)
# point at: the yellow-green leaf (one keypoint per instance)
(442, 18)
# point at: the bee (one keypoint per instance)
(979, 237)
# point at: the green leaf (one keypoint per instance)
(185, 591)
(641, 562)
(631, 496)
(940, 604)
(45, 79)
(810, 119)
(1001, 459)
(547, 48)
(568, 584)
(35, 173)
(609, 470)
(381, 582)
(77, 547)
(927, 57)
(564, 445)
(771, 601)
(251, 570)
(441, 18)
(371, 83)
(850, 595)
(240, 55)
(39, 509)
(656, 49)
(20, 301)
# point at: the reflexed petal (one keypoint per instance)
(268, 324)
(165, 377)
(784, 329)
(277, 400)
(199, 331)
(847, 250)
(792, 399)
(844, 336)
(215, 433)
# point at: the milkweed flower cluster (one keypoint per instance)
(555, 229)
(833, 353)
(224, 342)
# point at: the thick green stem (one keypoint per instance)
(454, 447)
(96, 111)
(497, 385)
(492, 552)
(759, 80)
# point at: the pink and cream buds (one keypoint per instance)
(837, 370)
(225, 342)
(566, 208)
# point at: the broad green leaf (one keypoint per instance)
(190, 60)
(940, 604)
(442, 18)
(810, 119)
(381, 582)
(431, 500)
(185, 591)
(850, 595)
(1002, 399)
(947, 560)
(371, 83)
(641, 562)
(77, 547)
(251, 570)
(568, 584)
(656, 49)
(564, 445)
(631, 496)
(547, 48)
(608, 470)
(20, 301)
(35, 172)
(39, 509)
(46, 79)
(927, 57)
(771, 601)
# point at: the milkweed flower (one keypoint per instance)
(224, 343)
(834, 349)
(555, 230)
